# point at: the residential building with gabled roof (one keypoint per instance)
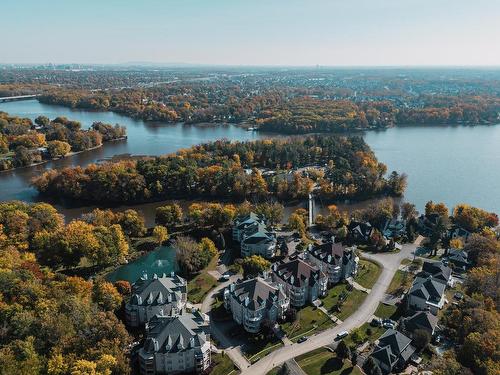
(421, 320)
(255, 300)
(302, 282)
(176, 344)
(255, 237)
(333, 259)
(155, 295)
(392, 352)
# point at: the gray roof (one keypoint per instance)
(167, 334)
(259, 234)
(428, 288)
(256, 293)
(298, 273)
(157, 290)
(396, 340)
(421, 320)
(437, 269)
(392, 346)
(332, 253)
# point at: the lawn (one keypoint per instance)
(368, 273)
(222, 365)
(364, 333)
(309, 320)
(201, 284)
(351, 303)
(399, 283)
(258, 346)
(386, 311)
(323, 362)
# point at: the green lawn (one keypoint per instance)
(400, 282)
(368, 273)
(351, 304)
(258, 346)
(323, 362)
(202, 283)
(222, 365)
(386, 311)
(364, 333)
(309, 320)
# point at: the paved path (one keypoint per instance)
(233, 352)
(389, 263)
(294, 368)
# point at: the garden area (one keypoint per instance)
(222, 365)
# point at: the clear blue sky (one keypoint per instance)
(252, 32)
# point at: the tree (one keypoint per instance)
(84, 367)
(408, 211)
(123, 287)
(421, 338)
(58, 148)
(160, 234)
(106, 296)
(42, 121)
(254, 265)
(436, 208)
(132, 223)
(169, 215)
(296, 222)
(343, 352)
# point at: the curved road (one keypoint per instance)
(390, 263)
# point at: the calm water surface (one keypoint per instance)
(449, 164)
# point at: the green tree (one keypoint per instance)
(106, 296)
(169, 215)
(343, 352)
(296, 222)
(254, 265)
(132, 223)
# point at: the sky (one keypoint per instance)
(252, 32)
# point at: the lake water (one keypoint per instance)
(450, 164)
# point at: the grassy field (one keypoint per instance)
(368, 273)
(364, 333)
(309, 320)
(351, 304)
(323, 362)
(202, 283)
(400, 282)
(258, 346)
(222, 365)
(386, 311)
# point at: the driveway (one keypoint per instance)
(389, 263)
(233, 352)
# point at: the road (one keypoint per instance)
(233, 352)
(389, 263)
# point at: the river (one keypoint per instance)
(452, 164)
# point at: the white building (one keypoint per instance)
(302, 282)
(176, 344)
(157, 295)
(254, 236)
(255, 300)
(333, 259)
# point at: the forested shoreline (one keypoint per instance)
(287, 169)
(24, 142)
(273, 111)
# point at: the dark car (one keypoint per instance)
(302, 339)
(376, 322)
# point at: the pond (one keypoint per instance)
(162, 260)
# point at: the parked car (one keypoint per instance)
(341, 335)
(389, 321)
(376, 322)
(388, 325)
(225, 277)
(302, 339)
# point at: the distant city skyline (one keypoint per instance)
(252, 33)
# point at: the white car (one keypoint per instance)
(341, 335)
